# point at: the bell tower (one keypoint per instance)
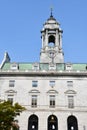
(51, 35)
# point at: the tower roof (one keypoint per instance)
(51, 23)
(52, 20)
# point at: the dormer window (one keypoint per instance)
(52, 67)
(68, 66)
(14, 66)
(35, 66)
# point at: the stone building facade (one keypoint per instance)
(54, 93)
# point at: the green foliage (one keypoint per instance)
(8, 112)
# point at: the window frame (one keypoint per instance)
(10, 98)
(52, 101)
(34, 101)
(11, 83)
(34, 83)
(70, 83)
(52, 83)
(70, 101)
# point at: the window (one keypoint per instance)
(52, 66)
(68, 66)
(70, 83)
(35, 67)
(11, 83)
(52, 83)
(10, 98)
(34, 101)
(34, 83)
(14, 66)
(52, 101)
(70, 101)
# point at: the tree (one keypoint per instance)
(8, 112)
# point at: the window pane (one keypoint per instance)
(70, 101)
(52, 83)
(10, 98)
(34, 83)
(52, 100)
(11, 83)
(70, 83)
(35, 67)
(34, 101)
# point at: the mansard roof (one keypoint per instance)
(44, 67)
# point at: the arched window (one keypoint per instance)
(33, 122)
(72, 123)
(52, 123)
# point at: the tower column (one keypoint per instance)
(46, 38)
(43, 40)
(60, 39)
(57, 39)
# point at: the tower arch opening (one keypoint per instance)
(33, 122)
(72, 123)
(51, 41)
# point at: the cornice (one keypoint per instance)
(44, 73)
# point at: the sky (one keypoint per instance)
(22, 20)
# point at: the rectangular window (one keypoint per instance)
(70, 83)
(52, 101)
(11, 83)
(34, 101)
(52, 67)
(70, 101)
(52, 83)
(68, 66)
(35, 67)
(14, 66)
(34, 83)
(10, 98)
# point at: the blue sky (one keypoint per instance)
(22, 20)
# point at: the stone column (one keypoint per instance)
(57, 39)
(46, 38)
(43, 40)
(60, 39)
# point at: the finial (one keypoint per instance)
(51, 12)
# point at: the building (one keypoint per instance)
(54, 93)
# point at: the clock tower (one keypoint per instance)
(51, 34)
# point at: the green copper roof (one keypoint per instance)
(25, 66)
(6, 66)
(79, 66)
(44, 66)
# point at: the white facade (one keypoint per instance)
(53, 93)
